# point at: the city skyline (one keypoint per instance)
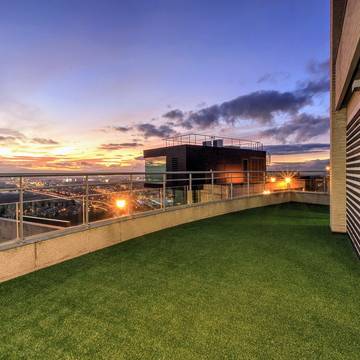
(88, 85)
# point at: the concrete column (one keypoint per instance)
(337, 130)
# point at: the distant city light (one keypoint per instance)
(266, 192)
(287, 180)
(120, 203)
(273, 179)
(327, 168)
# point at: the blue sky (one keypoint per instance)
(73, 71)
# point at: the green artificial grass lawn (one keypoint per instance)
(268, 283)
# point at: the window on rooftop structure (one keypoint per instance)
(153, 166)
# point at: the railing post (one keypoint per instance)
(264, 180)
(21, 209)
(131, 197)
(248, 182)
(164, 192)
(231, 187)
(86, 199)
(324, 183)
(190, 195)
(17, 220)
(212, 185)
(83, 209)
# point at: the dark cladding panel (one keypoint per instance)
(353, 181)
(175, 156)
(208, 158)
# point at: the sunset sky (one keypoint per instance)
(86, 85)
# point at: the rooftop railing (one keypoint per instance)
(34, 203)
(214, 141)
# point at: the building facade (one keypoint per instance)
(345, 119)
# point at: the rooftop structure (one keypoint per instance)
(202, 153)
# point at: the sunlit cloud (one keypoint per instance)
(62, 151)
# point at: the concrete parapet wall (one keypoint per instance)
(53, 248)
(310, 197)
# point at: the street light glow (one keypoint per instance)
(273, 179)
(120, 203)
(287, 180)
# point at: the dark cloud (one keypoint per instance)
(320, 83)
(314, 87)
(259, 106)
(150, 130)
(10, 135)
(120, 146)
(174, 114)
(44, 141)
(316, 67)
(301, 128)
(13, 133)
(131, 144)
(284, 149)
(273, 77)
(203, 118)
(122, 128)
(311, 165)
(201, 105)
(73, 164)
(7, 138)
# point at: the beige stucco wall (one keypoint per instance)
(310, 198)
(17, 261)
(55, 248)
(349, 50)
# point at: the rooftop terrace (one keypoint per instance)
(269, 283)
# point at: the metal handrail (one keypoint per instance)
(198, 139)
(164, 181)
(113, 173)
